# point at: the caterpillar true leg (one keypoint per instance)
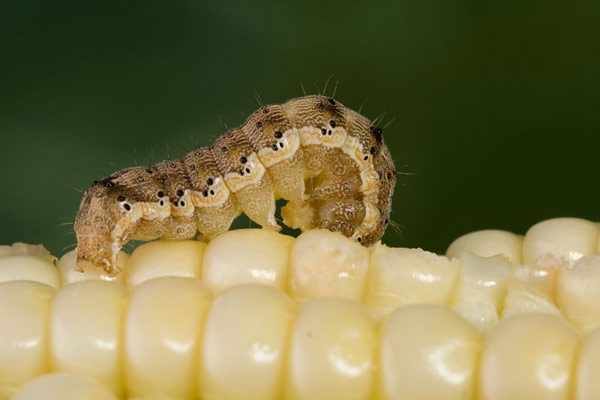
(329, 162)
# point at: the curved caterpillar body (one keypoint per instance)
(328, 161)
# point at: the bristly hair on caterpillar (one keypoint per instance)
(329, 162)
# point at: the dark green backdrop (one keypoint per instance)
(496, 106)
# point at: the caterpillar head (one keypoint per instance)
(101, 214)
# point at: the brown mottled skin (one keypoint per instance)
(311, 151)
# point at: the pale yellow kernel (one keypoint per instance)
(567, 239)
(400, 276)
(427, 352)
(162, 258)
(29, 268)
(332, 352)
(247, 256)
(245, 342)
(528, 357)
(578, 292)
(587, 384)
(481, 288)
(531, 290)
(325, 263)
(163, 327)
(488, 243)
(24, 307)
(86, 327)
(64, 386)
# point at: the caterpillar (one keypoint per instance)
(329, 162)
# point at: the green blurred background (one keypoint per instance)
(496, 105)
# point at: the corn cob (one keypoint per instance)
(428, 326)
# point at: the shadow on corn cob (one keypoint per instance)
(258, 315)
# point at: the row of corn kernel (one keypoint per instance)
(545, 271)
(169, 339)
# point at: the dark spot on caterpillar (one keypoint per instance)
(121, 198)
(243, 160)
(281, 145)
(160, 194)
(359, 239)
(265, 110)
(182, 203)
(332, 123)
(372, 150)
(320, 106)
(149, 170)
(378, 133)
(242, 172)
(205, 193)
(331, 101)
(224, 149)
(107, 182)
(329, 132)
(212, 192)
(209, 181)
(180, 193)
(127, 207)
(386, 221)
(389, 175)
(274, 147)
(323, 131)
(162, 203)
(259, 124)
(247, 170)
(365, 158)
(277, 134)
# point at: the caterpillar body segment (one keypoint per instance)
(246, 177)
(277, 144)
(216, 208)
(330, 163)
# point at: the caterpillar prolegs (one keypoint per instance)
(329, 162)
